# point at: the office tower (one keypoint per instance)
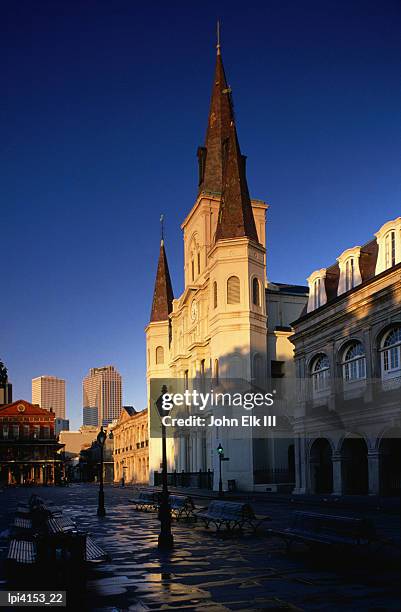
(102, 396)
(49, 392)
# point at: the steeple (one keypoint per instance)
(220, 116)
(235, 218)
(163, 294)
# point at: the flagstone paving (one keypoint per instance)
(206, 571)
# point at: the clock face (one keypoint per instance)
(194, 310)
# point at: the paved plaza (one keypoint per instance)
(210, 572)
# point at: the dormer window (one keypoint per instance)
(316, 293)
(350, 275)
(317, 290)
(389, 243)
(389, 249)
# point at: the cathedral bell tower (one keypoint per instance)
(158, 334)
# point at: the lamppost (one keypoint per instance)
(220, 452)
(124, 467)
(166, 540)
(101, 439)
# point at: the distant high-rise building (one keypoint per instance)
(6, 389)
(102, 396)
(61, 425)
(49, 392)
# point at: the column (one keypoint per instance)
(182, 452)
(374, 461)
(199, 451)
(338, 485)
(300, 465)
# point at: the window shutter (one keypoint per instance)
(233, 290)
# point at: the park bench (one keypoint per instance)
(146, 500)
(181, 506)
(22, 523)
(230, 514)
(22, 551)
(326, 530)
(94, 552)
(53, 541)
(59, 524)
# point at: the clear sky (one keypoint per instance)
(103, 106)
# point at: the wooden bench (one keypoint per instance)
(22, 523)
(94, 552)
(326, 530)
(181, 506)
(22, 551)
(230, 514)
(60, 524)
(146, 500)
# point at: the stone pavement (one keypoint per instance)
(210, 572)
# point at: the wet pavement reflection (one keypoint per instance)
(204, 571)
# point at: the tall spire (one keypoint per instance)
(235, 218)
(163, 295)
(220, 116)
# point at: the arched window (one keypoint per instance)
(214, 294)
(159, 355)
(233, 290)
(354, 362)
(390, 350)
(199, 262)
(255, 292)
(216, 371)
(320, 372)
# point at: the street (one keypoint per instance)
(211, 572)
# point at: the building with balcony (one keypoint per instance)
(348, 361)
(28, 445)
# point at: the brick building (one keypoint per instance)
(28, 446)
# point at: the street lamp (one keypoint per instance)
(166, 540)
(101, 439)
(124, 467)
(220, 452)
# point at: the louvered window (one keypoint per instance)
(159, 355)
(215, 295)
(233, 290)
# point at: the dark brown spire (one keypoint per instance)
(163, 295)
(220, 116)
(235, 215)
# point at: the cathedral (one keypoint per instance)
(230, 321)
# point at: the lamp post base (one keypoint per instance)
(165, 541)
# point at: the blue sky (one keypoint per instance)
(103, 107)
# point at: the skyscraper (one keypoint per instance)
(102, 396)
(49, 392)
